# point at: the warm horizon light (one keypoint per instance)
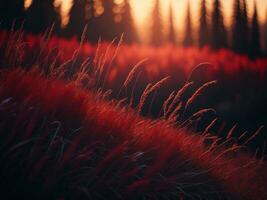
(141, 12)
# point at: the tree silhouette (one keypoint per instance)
(255, 47)
(188, 38)
(203, 27)
(237, 28)
(127, 24)
(3, 11)
(41, 15)
(218, 31)
(12, 11)
(156, 29)
(77, 19)
(107, 28)
(90, 21)
(265, 33)
(171, 36)
(245, 28)
(51, 15)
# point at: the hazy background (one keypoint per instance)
(141, 11)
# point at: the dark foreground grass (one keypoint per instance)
(58, 141)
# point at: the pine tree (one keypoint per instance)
(218, 30)
(171, 36)
(255, 44)
(41, 15)
(108, 29)
(237, 28)
(188, 38)
(156, 29)
(245, 28)
(203, 27)
(34, 17)
(265, 33)
(3, 12)
(18, 9)
(127, 24)
(90, 21)
(77, 19)
(12, 11)
(51, 15)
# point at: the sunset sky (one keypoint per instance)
(141, 11)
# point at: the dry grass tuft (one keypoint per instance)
(150, 89)
(198, 92)
(132, 74)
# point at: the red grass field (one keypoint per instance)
(239, 96)
(61, 142)
(159, 61)
(63, 135)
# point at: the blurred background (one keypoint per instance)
(240, 25)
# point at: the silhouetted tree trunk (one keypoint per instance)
(3, 11)
(106, 22)
(255, 44)
(218, 30)
(156, 29)
(41, 15)
(245, 28)
(237, 28)
(127, 24)
(51, 15)
(12, 11)
(34, 17)
(265, 35)
(172, 34)
(90, 20)
(188, 38)
(77, 19)
(203, 27)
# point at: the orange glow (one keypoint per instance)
(27, 4)
(141, 10)
(65, 6)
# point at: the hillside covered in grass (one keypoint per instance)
(240, 80)
(76, 122)
(62, 142)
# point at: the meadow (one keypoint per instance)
(238, 97)
(172, 126)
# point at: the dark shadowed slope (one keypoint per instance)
(60, 142)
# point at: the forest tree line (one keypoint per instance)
(244, 35)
